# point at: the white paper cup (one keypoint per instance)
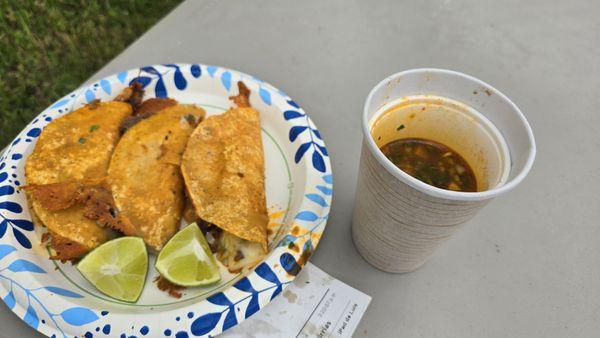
(399, 220)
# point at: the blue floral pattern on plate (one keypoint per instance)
(50, 302)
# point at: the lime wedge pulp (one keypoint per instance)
(117, 268)
(186, 259)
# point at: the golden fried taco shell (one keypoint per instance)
(75, 147)
(223, 169)
(144, 174)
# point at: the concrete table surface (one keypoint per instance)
(529, 264)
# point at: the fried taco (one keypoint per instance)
(144, 174)
(223, 170)
(72, 151)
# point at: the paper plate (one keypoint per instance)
(56, 300)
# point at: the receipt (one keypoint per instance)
(314, 305)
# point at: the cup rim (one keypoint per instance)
(429, 189)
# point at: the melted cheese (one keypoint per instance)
(229, 245)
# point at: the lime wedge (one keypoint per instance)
(186, 259)
(117, 268)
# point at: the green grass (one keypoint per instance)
(48, 48)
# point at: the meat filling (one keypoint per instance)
(243, 98)
(97, 199)
(132, 95)
(164, 285)
(144, 110)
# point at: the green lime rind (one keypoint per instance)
(186, 260)
(117, 268)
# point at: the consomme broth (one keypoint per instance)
(431, 162)
(452, 125)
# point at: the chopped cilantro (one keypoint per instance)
(94, 127)
(82, 140)
(191, 119)
(400, 127)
